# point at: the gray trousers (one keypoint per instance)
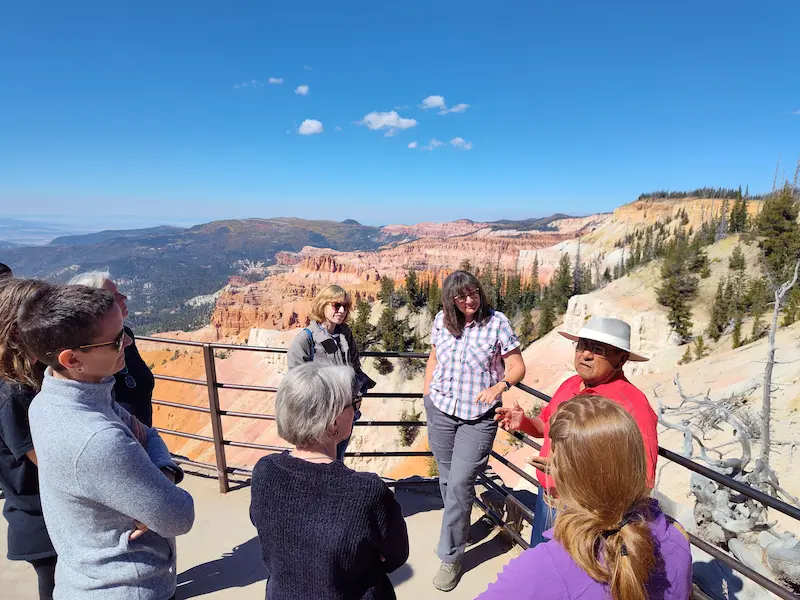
(461, 449)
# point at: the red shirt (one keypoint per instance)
(624, 393)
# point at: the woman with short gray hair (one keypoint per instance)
(325, 530)
(133, 388)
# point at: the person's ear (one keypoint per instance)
(69, 359)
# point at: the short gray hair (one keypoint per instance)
(309, 399)
(94, 279)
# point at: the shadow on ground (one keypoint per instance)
(238, 568)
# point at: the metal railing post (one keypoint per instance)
(216, 418)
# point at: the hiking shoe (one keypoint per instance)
(448, 576)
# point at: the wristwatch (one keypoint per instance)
(177, 474)
(508, 385)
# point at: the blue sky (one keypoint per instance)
(136, 113)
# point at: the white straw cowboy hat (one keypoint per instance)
(613, 332)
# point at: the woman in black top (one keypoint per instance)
(326, 532)
(134, 385)
(19, 477)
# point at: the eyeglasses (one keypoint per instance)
(337, 306)
(356, 403)
(117, 342)
(475, 295)
(596, 349)
(130, 382)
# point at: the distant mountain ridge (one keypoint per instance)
(162, 268)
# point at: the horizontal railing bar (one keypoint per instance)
(734, 564)
(483, 478)
(194, 463)
(191, 436)
(526, 439)
(202, 382)
(409, 395)
(234, 444)
(159, 340)
(423, 355)
(203, 409)
(398, 453)
(742, 488)
(515, 468)
(500, 523)
(391, 423)
(247, 388)
(245, 415)
(534, 392)
(268, 349)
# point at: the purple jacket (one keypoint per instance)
(547, 572)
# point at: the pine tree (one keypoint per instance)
(736, 262)
(561, 285)
(526, 334)
(465, 266)
(736, 336)
(547, 316)
(412, 289)
(387, 290)
(362, 329)
(434, 298)
(700, 349)
(687, 356)
(720, 312)
(678, 287)
(791, 309)
(513, 296)
(577, 273)
(780, 233)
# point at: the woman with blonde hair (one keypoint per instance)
(329, 340)
(610, 541)
(20, 379)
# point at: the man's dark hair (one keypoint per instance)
(5, 271)
(461, 283)
(61, 317)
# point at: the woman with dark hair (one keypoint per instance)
(134, 384)
(611, 541)
(19, 476)
(474, 358)
(107, 482)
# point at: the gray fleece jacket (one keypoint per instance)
(96, 479)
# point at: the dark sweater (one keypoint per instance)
(323, 529)
(133, 386)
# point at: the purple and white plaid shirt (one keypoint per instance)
(469, 364)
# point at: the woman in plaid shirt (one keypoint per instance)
(475, 357)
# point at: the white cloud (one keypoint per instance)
(461, 143)
(797, 112)
(337, 128)
(387, 120)
(434, 143)
(301, 90)
(401, 107)
(458, 108)
(310, 127)
(433, 102)
(275, 80)
(412, 145)
(307, 68)
(251, 83)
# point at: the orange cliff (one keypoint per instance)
(282, 301)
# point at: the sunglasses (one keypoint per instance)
(130, 382)
(356, 403)
(475, 295)
(116, 342)
(595, 349)
(337, 306)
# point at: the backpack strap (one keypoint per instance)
(310, 339)
(677, 526)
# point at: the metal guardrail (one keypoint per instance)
(223, 470)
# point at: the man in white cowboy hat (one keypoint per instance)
(602, 347)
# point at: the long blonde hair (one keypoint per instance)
(15, 364)
(327, 295)
(600, 472)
